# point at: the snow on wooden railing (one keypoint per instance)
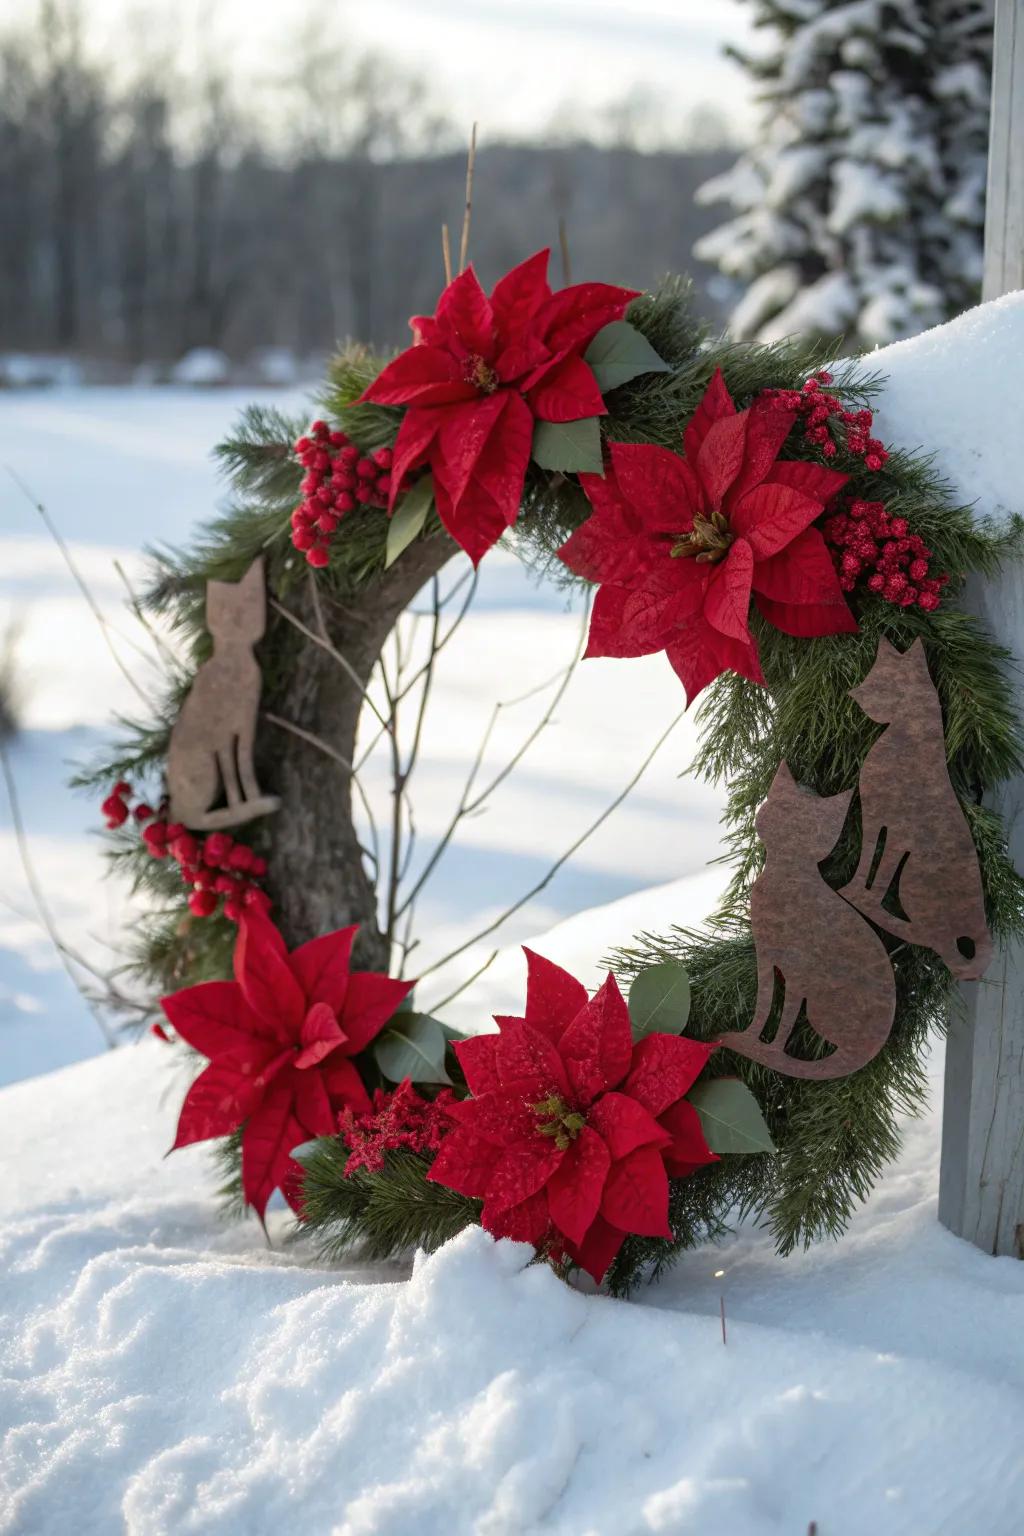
(981, 1189)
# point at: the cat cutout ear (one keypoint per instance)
(211, 778)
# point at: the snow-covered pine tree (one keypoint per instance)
(859, 208)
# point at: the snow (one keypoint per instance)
(203, 365)
(161, 1372)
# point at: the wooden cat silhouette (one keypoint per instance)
(827, 955)
(913, 827)
(211, 748)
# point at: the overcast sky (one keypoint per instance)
(510, 64)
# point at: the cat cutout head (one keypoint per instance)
(236, 611)
(796, 815)
(899, 681)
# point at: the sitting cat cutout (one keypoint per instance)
(913, 826)
(211, 748)
(827, 955)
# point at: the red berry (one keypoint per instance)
(318, 557)
(202, 903)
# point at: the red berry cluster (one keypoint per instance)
(864, 537)
(338, 479)
(398, 1119)
(816, 407)
(215, 866)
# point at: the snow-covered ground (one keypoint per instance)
(161, 1373)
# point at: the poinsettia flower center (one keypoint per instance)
(708, 540)
(557, 1120)
(476, 370)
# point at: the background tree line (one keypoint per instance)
(142, 218)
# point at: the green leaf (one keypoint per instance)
(412, 1046)
(619, 353)
(730, 1116)
(408, 518)
(568, 445)
(659, 1000)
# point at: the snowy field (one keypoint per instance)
(160, 1373)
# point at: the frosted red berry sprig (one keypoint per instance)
(217, 867)
(863, 537)
(400, 1120)
(816, 407)
(338, 478)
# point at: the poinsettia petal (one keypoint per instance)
(727, 599)
(321, 967)
(664, 1067)
(573, 316)
(476, 524)
(568, 391)
(597, 1046)
(809, 479)
(772, 516)
(320, 1035)
(313, 1108)
(663, 492)
(344, 1086)
(553, 997)
(521, 361)
(627, 621)
(612, 545)
(575, 1188)
(802, 573)
(766, 433)
(476, 1058)
(720, 459)
(370, 1002)
(527, 1060)
(270, 1134)
(525, 1223)
(501, 467)
(636, 1194)
(521, 1171)
(214, 1017)
(463, 437)
(265, 976)
(465, 318)
(516, 297)
(715, 404)
(689, 1149)
(420, 375)
(464, 1163)
(216, 1104)
(808, 620)
(412, 445)
(500, 1117)
(624, 1124)
(598, 1248)
(698, 654)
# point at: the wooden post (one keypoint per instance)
(981, 1184)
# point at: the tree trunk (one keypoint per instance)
(317, 878)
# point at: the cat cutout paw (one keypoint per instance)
(210, 757)
(828, 957)
(916, 845)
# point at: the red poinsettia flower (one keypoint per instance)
(679, 545)
(279, 1039)
(572, 1130)
(481, 372)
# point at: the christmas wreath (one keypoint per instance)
(730, 506)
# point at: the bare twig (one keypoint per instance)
(565, 857)
(332, 752)
(41, 904)
(160, 644)
(467, 805)
(332, 651)
(106, 628)
(464, 985)
(446, 254)
(563, 245)
(116, 999)
(467, 216)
